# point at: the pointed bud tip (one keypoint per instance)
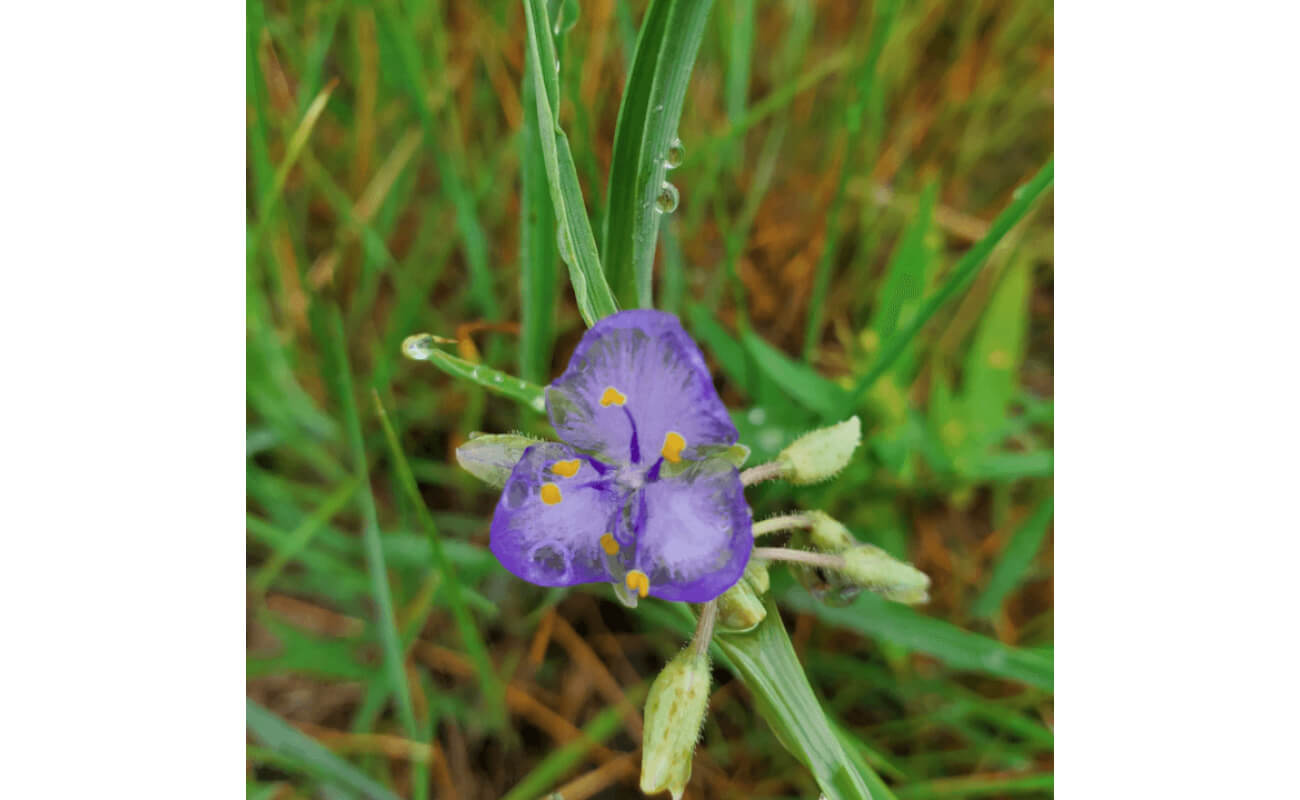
(822, 453)
(741, 607)
(492, 457)
(674, 714)
(877, 571)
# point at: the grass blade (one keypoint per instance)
(991, 374)
(576, 242)
(979, 786)
(647, 123)
(908, 274)
(302, 535)
(854, 749)
(1004, 467)
(536, 247)
(296, 747)
(801, 382)
(473, 239)
(967, 266)
(766, 662)
(420, 347)
(853, 116)
(297, 141)
(1015, 561)
(878, 618)
(469, 633)
(562, 759)
(339, 373)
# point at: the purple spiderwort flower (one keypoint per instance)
(638, 492)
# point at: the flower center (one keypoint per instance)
(632, 476)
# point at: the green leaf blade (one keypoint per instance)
(647, 123)
(1015, 560)
(765, 661)
(537, 247)
(576, 242)
(306, 753)
(877, 618)
(960, 277)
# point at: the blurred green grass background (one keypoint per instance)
(839, 159)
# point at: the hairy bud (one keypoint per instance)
(878, 571)
(828, 535)
(674, 713)
(741, 607)
(820, 454)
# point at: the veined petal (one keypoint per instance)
(637, 389)
(555, 508)
(695, 536)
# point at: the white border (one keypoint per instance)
(1176, 306)
(122, 320)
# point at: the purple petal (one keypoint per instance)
(660, 385)
(551, 536)
(696, 536)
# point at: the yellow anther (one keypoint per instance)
(551, 494)
(566, 469)
(612, 397)
(610, 544)
(639, 582)
(673, 444)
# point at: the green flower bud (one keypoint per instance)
(874, 569)
(826, 585)
(674, 714)
(756, 575)
(828, 535)
(741, 607)
(491, 457)
(820, 454)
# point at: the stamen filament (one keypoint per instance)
(785, 522)
(763, 472)
(802, 556)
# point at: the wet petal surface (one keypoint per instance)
(636, 390)
(694, 533)
(554, 510)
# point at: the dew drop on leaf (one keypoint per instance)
(676, 152)
(418, 346)
(666, 200)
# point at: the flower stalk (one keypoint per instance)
(763, 472)
(784, 522)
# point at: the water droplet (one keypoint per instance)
(676, 152)
(474, 373)
(418, 346)
(498, 379)
(757, 416)
(557, 66)
(666, 200)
